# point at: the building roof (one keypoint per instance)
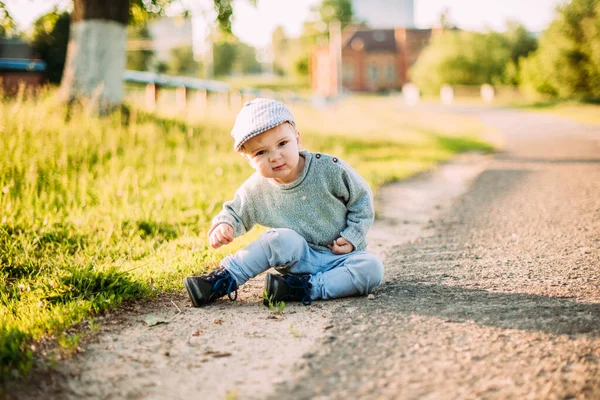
(372, 40)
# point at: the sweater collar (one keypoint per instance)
(286, 186)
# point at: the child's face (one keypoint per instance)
(274, 153)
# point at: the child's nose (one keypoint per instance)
(275, 154)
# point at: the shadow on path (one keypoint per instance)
(506, 310)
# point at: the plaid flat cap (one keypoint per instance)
(259, 115)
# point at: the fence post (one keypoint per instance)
(447, 94)
(181, 99)
(487, 93)
(151, 96)
(201, 101)
(410, 93)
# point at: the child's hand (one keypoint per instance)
(341, 246)
(221, 235)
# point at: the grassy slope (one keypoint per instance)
(94, 212)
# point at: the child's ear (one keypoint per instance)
(298, 140)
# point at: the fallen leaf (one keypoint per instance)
(153, 320)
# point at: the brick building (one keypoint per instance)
(372, 59)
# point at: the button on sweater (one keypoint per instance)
(328, 200)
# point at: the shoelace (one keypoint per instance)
(223, 279)
(306, 300)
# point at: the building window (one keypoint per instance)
(373, 73)
(379, 36)
(347, 73)
(357, 44)
(390, 72)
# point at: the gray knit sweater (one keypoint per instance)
(329, 199)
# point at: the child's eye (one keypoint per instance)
(260, 153)
(283, 143)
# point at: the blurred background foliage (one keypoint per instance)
(471, 58)
(8, 27)
(49, 41)
(233, 57)
(562, 62)
(565, 64)
(139, 60)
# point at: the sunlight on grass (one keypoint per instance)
(94, 212)
(581, 112)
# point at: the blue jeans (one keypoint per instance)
(332, 275)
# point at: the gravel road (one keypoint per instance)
(492, 290)
(500, 300)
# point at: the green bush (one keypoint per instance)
(567, 62)
(471, 58)
(50, 40)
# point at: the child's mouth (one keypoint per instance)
(278, 168)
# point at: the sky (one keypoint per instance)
(254, 25)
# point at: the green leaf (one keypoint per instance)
(153, 320)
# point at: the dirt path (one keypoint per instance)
(491, 290)
(239, 349)
(501, 301)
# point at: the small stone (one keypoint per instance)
(371, 296)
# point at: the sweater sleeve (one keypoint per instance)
(237, 213)
(360, 207)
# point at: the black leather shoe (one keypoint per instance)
(287, 288)
(206, 288)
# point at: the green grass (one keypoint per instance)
(586, 112)
(275, 307)
(95, 212)
(278, 84)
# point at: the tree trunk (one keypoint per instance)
(96, 53)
